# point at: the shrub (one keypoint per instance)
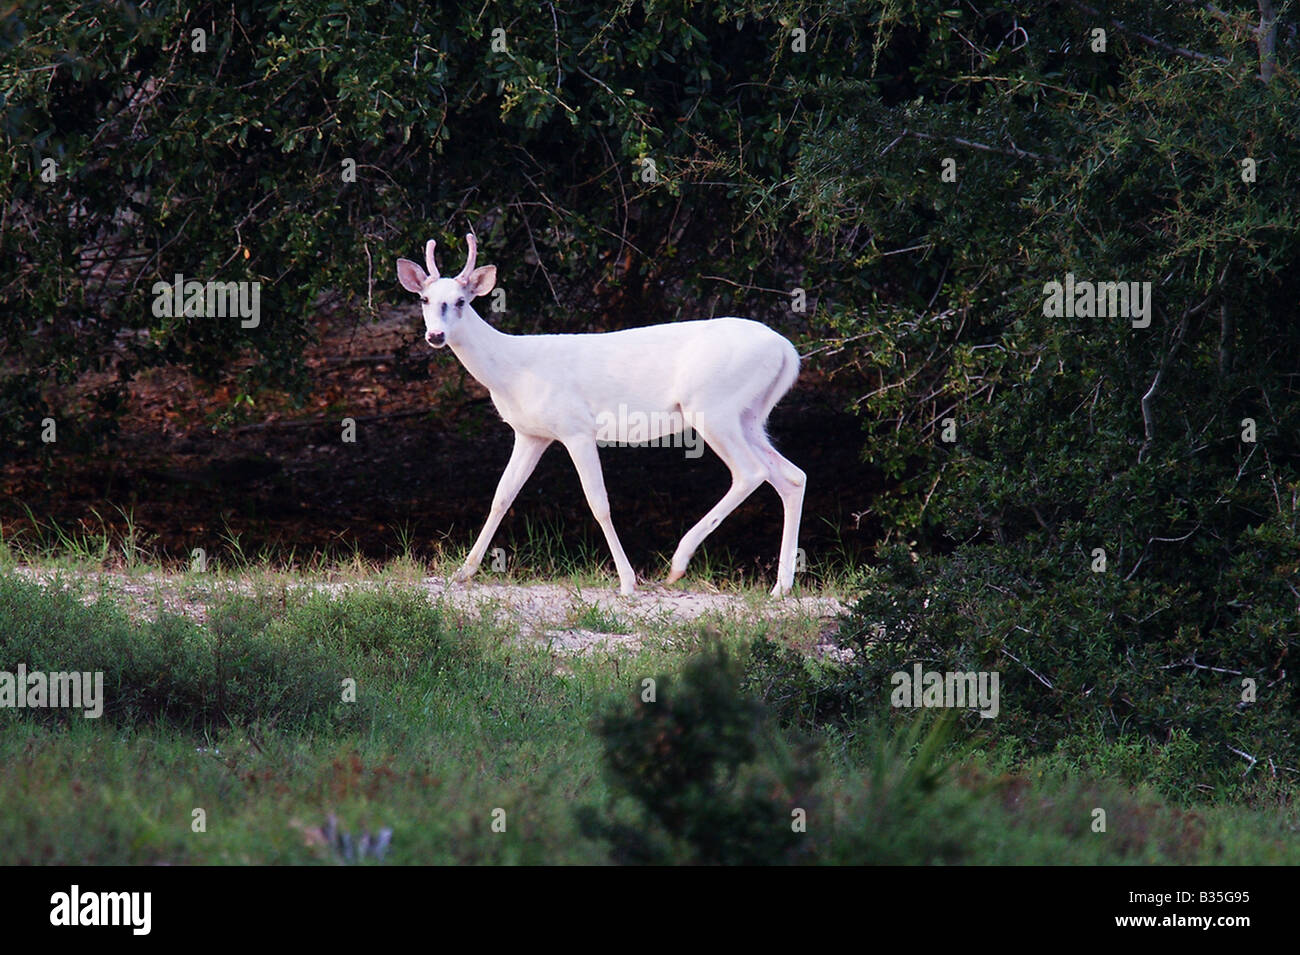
(1088, 659)
(711, 779)
(236, 669)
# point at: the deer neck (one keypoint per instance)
(486, 353)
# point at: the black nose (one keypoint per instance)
(435, 338)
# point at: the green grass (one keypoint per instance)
(457, 719)
(101, 543)
(589, 616)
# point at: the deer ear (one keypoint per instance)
(411, 276)
(481, 281)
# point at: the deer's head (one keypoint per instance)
(445, 300)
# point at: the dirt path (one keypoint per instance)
(570, 619)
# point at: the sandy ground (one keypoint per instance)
(541, 611)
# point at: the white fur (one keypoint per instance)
(722, 375)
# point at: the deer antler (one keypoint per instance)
(463, 278)
(428, 259)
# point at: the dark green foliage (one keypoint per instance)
(1073, 434)
(1096, 165)
(712, 780)
(229, 164)
(802, 693)
(1089, 659)
(907, 809)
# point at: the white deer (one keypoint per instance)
(722, 376)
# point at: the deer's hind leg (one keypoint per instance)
(790, 482)
(748, 471)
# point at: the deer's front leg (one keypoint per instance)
(523, 459)
(586, 458)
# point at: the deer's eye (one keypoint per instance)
(460, 303)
